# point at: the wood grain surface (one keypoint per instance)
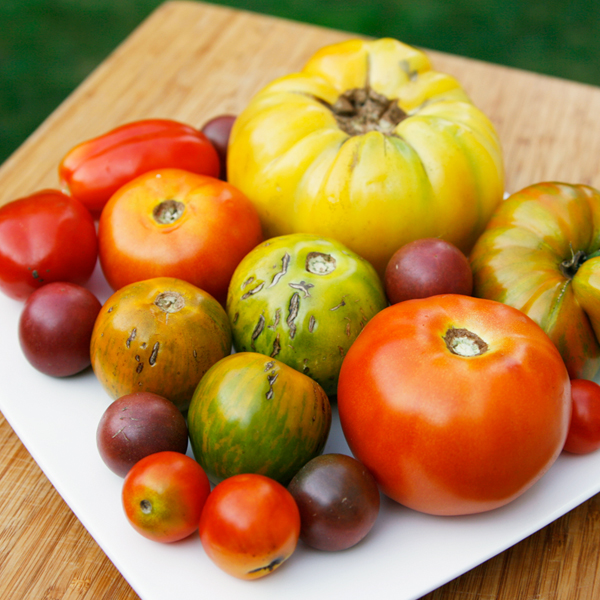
(191, 61)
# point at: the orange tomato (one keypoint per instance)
(250, 525)
(173, 223)
(456, 405)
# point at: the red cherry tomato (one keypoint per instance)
(584, 430)
(249, 526)
(164, 494)
(468, 405)
(45, 237)
(173, 223)
(95, 169)
(218, 131)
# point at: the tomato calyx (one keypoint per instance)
(463, 342)
(360, 110)
(169, 302)
(570, 266)
(168, 211)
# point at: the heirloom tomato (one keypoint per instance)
(253, 414)
(159, 335)
(45, 237)
(457, 405)
(368, 145)
(303, 299)
(584, 430)
(173, 223)
(95, 169)
(163, 496)
(249, 526)
(540, 253)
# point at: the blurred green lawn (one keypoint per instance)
(47, 47)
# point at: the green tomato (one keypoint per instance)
(253, 414)
(303, 299)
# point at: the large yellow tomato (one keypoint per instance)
(370, 146)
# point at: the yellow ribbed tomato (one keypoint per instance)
(370, 146)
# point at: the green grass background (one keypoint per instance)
(47, 47)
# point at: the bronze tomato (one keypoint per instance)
(160, 335)
(456, 405)
(173, 223)
(163, 496)
(250, 525)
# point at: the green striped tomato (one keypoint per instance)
(253, 414)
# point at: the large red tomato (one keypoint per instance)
(174, 223)
(456, 405)
(45, 237)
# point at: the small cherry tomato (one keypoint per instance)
(45, 237)
(137, 425)
(338, 501)
(95, 169)
(427, 267)
(55, 328)
(584, 430)
(249, 526)
(172, 223)
(163, 496)
(218, 131)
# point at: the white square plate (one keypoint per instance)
(405, 556)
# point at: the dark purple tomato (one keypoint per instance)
(137, 425)
(338, 501)
(217, 130)
(55, 328)
(427, 267)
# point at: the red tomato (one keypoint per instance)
(173, 223)
(163, 496)
(584, 431)
(249, 526)
(95, 169)
(45, 237)
(456, 405)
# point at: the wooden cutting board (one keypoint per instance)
(191, 61)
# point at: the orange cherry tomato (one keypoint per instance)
(163, 496)
(173, 223)
(584, 430)
(456, 405)
(249, 526)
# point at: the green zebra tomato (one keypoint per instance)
(303, 299)
(253, 414)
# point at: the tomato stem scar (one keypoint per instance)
(463, 342)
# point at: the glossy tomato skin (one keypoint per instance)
(173, 223)
(369, 146)
(160, 335)
(427, 267)
(137, 425)
(584, 430)
(540, 253)
(447, 433)
(95, 169)
(338, 501)
(163, 496)
(249, 526)
(55, 328)
(45, 237)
